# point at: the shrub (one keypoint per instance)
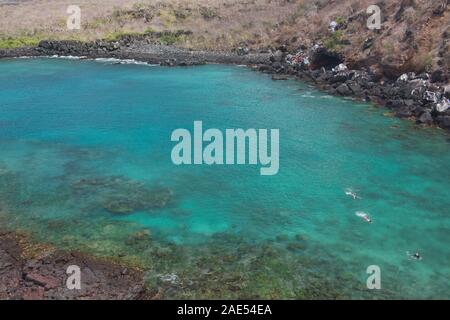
(340, 20)
(24, 41)
(208, 13)
(334, 41)
(171, 38)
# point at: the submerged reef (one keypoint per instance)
(123, 196)
(226, 265)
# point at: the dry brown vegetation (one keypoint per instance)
(412, 36)
(215, 24)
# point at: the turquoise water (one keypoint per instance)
(78, 137)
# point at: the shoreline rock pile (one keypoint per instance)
(423, 97)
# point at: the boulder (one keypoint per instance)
(367, 43)
(264, 68)
(46, 281)
(443, 121)
(339, 78)
(443, 105)
(418, 110)
(406, 77)
(45, 44)
(403, 112)
(431, 96)
(447, 91)
(425, 118)
(277, 65)
(278, 56)
(242, 51)
(356, 88)
(395, 104)
(437, 76)
(343, 90)
(340, 68)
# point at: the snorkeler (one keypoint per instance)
(415, 256)
(364, 216)
(350, 193)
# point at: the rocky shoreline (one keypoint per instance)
(36, 271)
(423, 98)
(140, 51)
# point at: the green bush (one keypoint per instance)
(25, 41)
(340, 20)
(333, 42)
(170, 38)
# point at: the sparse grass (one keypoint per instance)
(388, 47)
(115, 36)
(182, 13)
(168, 18)
(95, 23)
(208, 13)
(166, 37)
(423, 62)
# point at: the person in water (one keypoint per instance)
(416, 256)
(364, 216)
(352, 194)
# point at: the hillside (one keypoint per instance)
(414, 35)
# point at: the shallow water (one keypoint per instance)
(75, 136)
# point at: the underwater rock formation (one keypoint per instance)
(141, 200)
(122, 196)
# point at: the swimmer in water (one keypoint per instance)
(415, 256)
(364, 216)
(350, 193)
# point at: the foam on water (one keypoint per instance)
(123, 61)
(76, 136)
